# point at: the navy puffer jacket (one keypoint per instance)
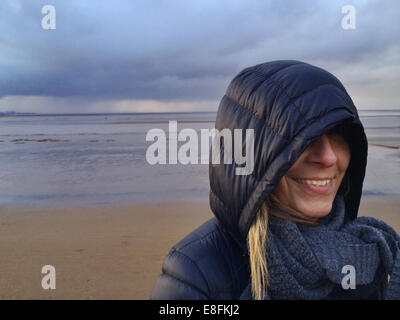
(289, 104)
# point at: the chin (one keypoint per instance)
(316, 211)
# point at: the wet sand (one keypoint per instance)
(107, 252)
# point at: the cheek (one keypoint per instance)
(281, 189)
(297, 167)
(285, 186)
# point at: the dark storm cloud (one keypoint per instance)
(180, 50)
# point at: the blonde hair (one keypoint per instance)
(258, 239)
(257, 242)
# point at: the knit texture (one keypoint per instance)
(306, 262)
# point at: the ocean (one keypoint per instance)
(89, 159)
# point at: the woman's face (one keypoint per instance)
(312, 182)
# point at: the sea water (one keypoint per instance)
(101, 158)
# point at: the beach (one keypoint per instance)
(99, 252)
(108, 251)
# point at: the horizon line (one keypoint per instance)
(15, 113)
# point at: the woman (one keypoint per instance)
(288, 230)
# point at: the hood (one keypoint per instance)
(289, 104)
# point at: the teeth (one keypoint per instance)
(315, 182)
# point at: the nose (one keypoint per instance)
(322, 152)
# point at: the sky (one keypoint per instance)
(180, 55)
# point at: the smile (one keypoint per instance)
(316, 185)
(314, 182)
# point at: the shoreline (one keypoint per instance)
(108, 251)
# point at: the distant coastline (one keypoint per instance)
(14, 113)
(365, 113)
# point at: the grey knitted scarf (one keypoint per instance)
(306, 262)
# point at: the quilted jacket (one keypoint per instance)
(289, 104)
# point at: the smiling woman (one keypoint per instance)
(311, 184)
(290, 229)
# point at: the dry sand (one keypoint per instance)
(107, 252)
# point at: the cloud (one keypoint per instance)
(186, 51)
